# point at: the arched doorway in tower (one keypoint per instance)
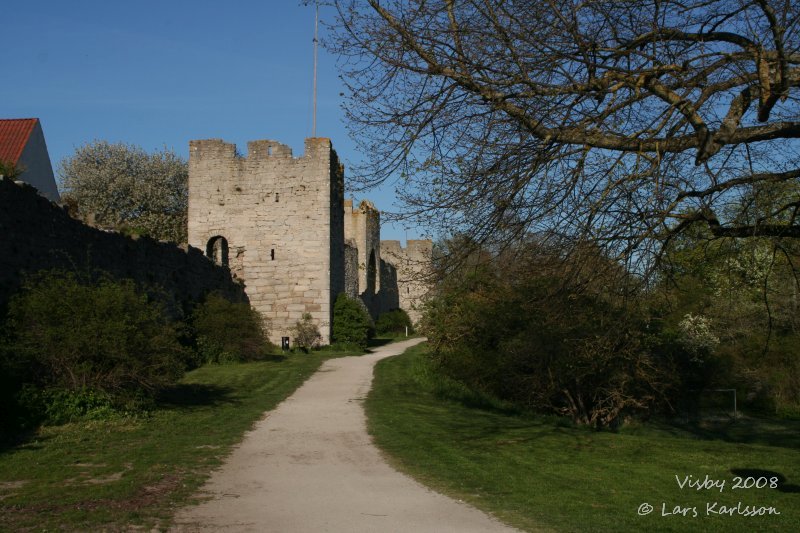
(217, 250)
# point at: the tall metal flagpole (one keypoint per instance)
(314, 113)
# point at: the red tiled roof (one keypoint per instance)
(14, 134)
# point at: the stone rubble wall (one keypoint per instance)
(36, 234)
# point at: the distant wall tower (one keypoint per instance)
(362, 231)
(412, 268)
(277, 221)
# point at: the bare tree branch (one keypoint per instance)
(624, 122)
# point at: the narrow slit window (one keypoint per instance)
(277, 197)
(272, 254)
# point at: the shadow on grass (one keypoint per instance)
(377, 342)
(477, 421)
(497, 432)
(188, 395)
(15, 439)
(498, 417)
(419, 380)
(746, 430)
(274, 357)
(180, 396)
(768, 475)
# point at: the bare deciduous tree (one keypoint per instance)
(622, 122)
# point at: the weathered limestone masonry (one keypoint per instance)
(351, 269)
(362, 231)
(277, 221)
(36, 234)
(412, 266)
(398, 279)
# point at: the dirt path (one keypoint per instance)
(309, 466)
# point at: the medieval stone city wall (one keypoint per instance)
(362, 230)
(277, 221)
(412, 269)
(268, 228)
(36, 234)
(389, 295)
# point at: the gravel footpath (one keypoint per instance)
(309, 466)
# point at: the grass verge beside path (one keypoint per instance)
(539, 473)
(109, 475)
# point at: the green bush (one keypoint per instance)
(14, 373)
(306, 333)
(59, 406)
(393, 322)
(103, 335)
(351, 322)
(537, 336)
(228, 331)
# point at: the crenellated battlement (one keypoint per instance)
(264, 149)
(415, 249)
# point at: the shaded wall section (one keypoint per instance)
(362, 229)
(410, 268)
(36, 234)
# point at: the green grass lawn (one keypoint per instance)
(540, 473)
(110, 475)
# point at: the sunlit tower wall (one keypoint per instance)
(277, 221)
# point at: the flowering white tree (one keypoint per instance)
(697, 336)
(125, 188)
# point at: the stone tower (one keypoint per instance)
(276, 221)
(362, 231)
(412, 270)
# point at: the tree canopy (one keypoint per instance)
(123, 187)
(621, 122)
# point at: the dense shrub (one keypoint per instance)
(394, 322)
(306, 333)
(59, 406)
(351, 322)
(532, 333)
(14, 372)
(228, 331)
(104, 336)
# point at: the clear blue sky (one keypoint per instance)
(160, 73)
